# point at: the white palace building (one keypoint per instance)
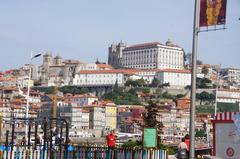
(147, 56)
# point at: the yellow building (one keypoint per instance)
(111, 115)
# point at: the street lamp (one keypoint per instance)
(217, 84)
(28, 92)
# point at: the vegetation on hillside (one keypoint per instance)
(206, 97)
(65, 89)
(204, 83)
(121, 97)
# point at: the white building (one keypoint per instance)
(176, 78)
(22, 82)
(231, 74)
(228, 96)
(147, 74)
(80, 118)
(91, 66)
(99, 77)
(168, 118)
(148, 56)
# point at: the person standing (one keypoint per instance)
(111, 145)
(182, 150)
(187, 142)
(23, 141)
(111, 140)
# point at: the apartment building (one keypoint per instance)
(82, 100)
(231, 74)
(80, 118)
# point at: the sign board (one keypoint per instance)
(226, 141)
(212, 12)
(149, 137)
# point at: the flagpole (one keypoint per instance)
(193, 80)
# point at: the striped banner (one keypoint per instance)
(226, 116)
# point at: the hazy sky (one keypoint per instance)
(83, 29)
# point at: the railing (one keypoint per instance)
(78, 152)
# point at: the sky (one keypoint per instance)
(84, 29)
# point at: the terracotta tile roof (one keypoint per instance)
(148, 70)
(9, 88)
(148, 45)
(16, 107)
(85, 111)
(204, 65)
(132, 71)
(175, 70)
(104, 66)
(184, 98)
(127, 71)
(83, 96)
(34, 106)
(51, 96)
(32, 112)
(143, 45)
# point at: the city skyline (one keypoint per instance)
(85, 30)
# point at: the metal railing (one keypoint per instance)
(78, 152)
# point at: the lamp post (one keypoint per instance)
(217, 85)
(193, 80)
(28, 92)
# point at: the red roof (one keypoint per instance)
(204, 65)
(83, 96)
(176, 70)
(127, 71)
(104, 66)
(144, 45)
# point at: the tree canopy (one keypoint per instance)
(150, 117)
(205, 96)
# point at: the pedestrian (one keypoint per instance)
(24, 141)
(111, 140)
(182, 150)
(111, 145)
(187, 142)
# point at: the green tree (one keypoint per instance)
(180, 95)
(204, 83)
(136, 83)
(122, 98)
(141, 82)
(150, 117)
(155, 82)
(131, 83)
(132, 144)
(164, 85)
(205, 70)
(200, 133)
(205, 96)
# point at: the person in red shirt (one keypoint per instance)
(187, 142)
(111, 140)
